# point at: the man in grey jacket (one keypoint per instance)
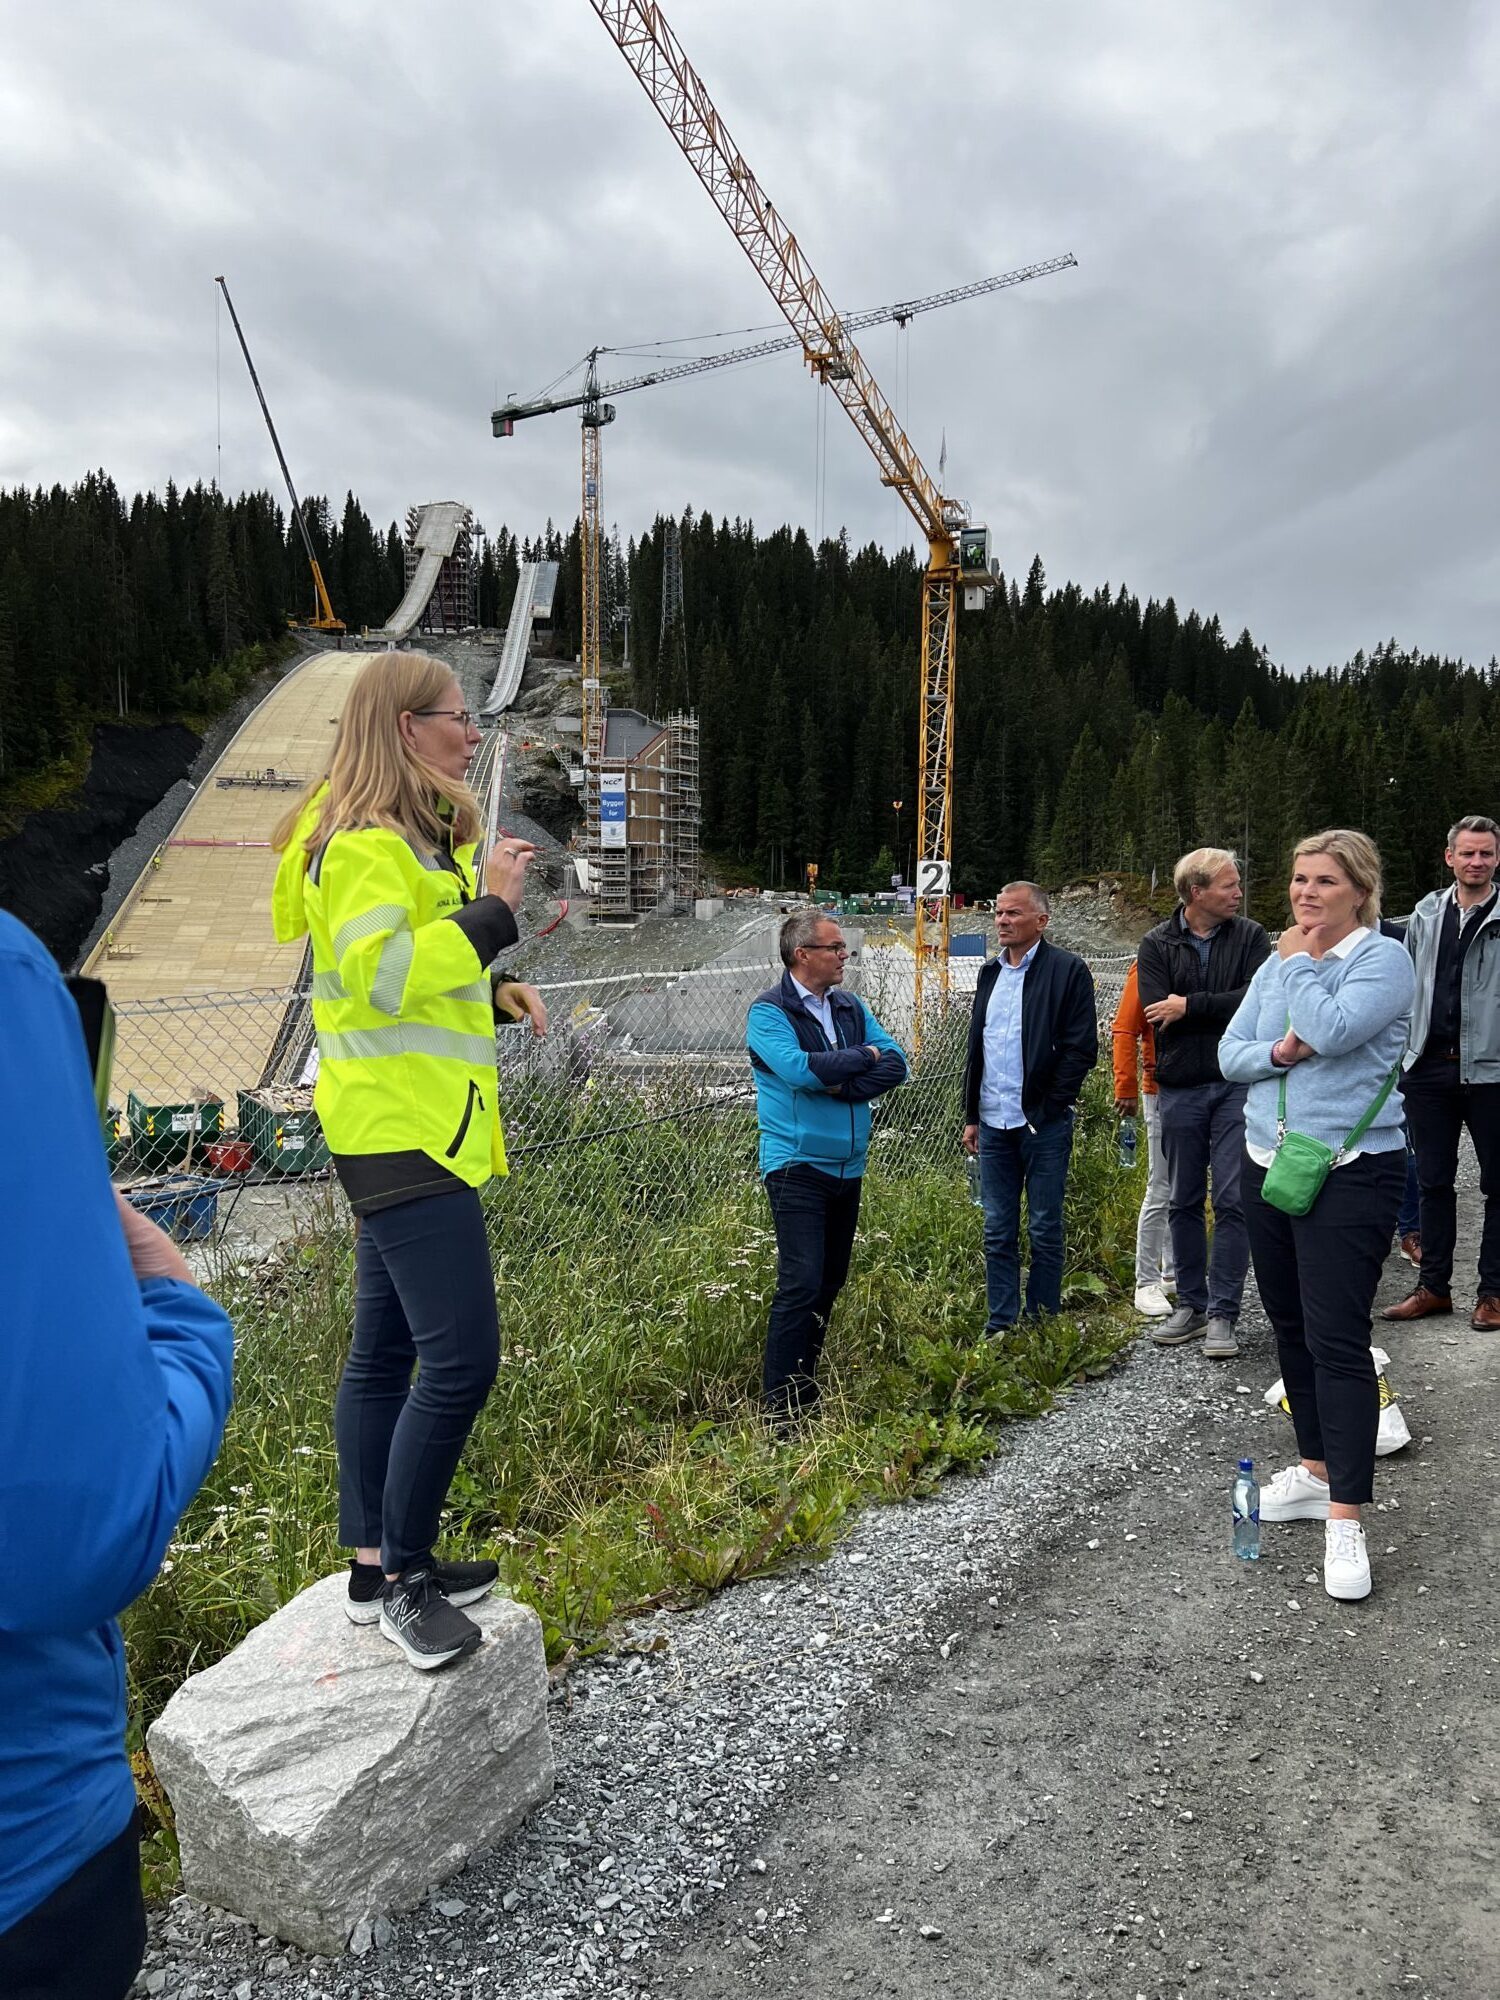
(1452, 1066)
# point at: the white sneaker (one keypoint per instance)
(1295, 1494)
(1152, 1302)
(1346, 1562)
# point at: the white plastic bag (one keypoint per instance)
(1393, 1434)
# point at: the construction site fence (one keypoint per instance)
(622, 1052)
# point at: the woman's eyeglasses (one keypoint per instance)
(463, 715)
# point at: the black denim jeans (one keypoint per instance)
(424, 1293)
(86, 1941)
(815, 1215)
(1317, 1275)
(1438, 1108)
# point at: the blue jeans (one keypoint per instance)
(1203, 1137)
(1036, 1162)
(424, 1298)
(1409, 1221)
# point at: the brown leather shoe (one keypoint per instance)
(1486, 1314)
(1411, 1249)
(1421, 1304)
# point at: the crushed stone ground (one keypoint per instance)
(1039, 1735)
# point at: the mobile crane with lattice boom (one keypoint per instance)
(322, 619)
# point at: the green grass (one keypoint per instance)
(619, 1461)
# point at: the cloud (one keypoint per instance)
(1267, 390)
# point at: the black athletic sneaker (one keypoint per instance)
(460, 1583)
(415, 1615)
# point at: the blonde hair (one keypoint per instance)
(1198, 869)
(374, 778)
(1359, 858)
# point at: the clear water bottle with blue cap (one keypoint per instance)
(1127, 1143)
(1246, 1512)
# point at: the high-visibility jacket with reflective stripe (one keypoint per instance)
(401, 1003)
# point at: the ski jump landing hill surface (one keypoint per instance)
(198, 920)
(199, 917)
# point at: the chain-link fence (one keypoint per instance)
(215, 1091)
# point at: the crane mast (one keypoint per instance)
(641, 32)
(596, 414)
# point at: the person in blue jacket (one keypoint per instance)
(113, 1394)
(819, 1058)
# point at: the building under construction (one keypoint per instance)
(453, 604)
(642, 814)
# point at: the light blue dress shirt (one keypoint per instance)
(1000, 1090)
(819, 1008)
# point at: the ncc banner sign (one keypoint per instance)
(612, 809)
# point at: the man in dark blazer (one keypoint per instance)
(1033, 1038)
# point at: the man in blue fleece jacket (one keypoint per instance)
(819, 1057)
(113, 1393)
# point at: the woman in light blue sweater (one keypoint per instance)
(1328, 1016)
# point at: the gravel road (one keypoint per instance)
(1039, 1736)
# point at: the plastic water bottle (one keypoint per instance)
(1246, 1513)
(1127, 1142)
(971, 1175)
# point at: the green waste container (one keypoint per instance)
(282, 1127)
(164, 1135)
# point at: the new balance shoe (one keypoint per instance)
(1183, 1325)
(1152, 1302)
(415, 1615)
(460, 1583)
(1295, 1494)
(1219, 1343)
(1346, 1561)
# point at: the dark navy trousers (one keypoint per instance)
(816, 1215)
(86, 1941)
(425, 1299)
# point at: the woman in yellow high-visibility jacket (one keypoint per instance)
(377, 867)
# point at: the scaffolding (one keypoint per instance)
(454, 603)
(642, 815)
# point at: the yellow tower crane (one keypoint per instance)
(597, 411)
(958, 553)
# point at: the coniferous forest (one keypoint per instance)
(1094, 732)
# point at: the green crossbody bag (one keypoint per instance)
(1295, 1177)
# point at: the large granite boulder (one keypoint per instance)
(318, 1779)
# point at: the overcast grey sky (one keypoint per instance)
(1270, 389)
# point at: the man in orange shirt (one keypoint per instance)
(1135, 1094)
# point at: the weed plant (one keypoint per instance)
(620, 1461)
